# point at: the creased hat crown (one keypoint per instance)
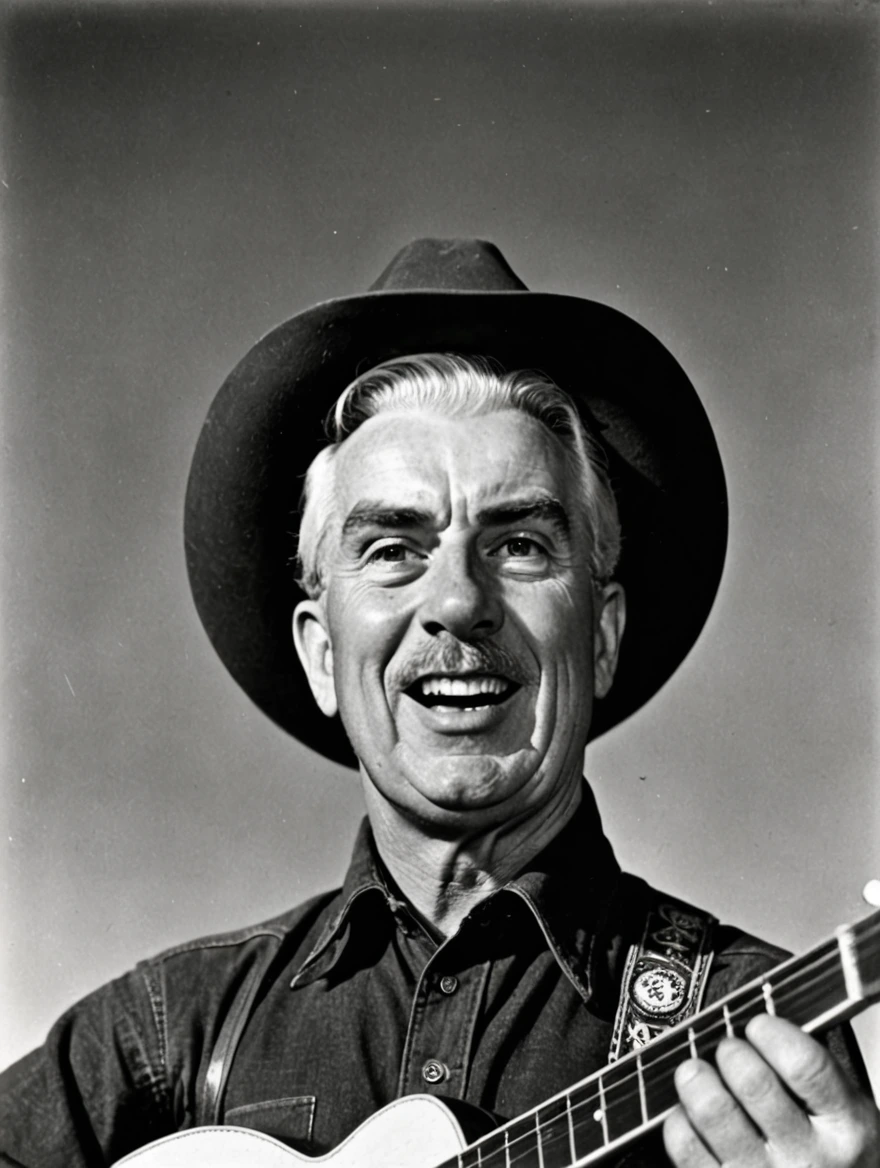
(449, 265)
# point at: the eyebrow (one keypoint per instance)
(520, 510)
(372, 515)
(377, 515)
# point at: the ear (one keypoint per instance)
(609, 621)
(315, 651)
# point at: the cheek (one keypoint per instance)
(556, 625)
(557, 621)
(367, 627)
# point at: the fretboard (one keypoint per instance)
(603, 1113)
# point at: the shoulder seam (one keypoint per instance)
(278, 929)
(219, 941)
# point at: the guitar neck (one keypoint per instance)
(605, 1112)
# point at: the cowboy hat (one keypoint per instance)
(266, 425)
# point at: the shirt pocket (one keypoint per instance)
(290, 1119)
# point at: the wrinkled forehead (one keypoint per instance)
(416, 459)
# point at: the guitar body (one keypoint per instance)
(417, 1131)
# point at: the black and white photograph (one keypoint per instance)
(439, 595)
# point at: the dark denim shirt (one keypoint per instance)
(357, 1006)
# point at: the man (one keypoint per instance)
(472, 544)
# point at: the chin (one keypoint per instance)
(468, 782)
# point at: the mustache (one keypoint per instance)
(448, 655)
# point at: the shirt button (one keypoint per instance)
(449, 984)
(434, 1071)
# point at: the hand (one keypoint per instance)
(777, 1100)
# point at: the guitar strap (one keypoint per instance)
(213, 1088)
(273, 936)
(665, 974)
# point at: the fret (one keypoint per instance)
(604, 1117)
(623, 1108)
(866, 942)
(555, 1133)
(851, 979)
(726, 1020)
(767, 991)
(491, 1149)
(574, 1154)
(803, 1001)
(699, 1040)
(658, 1062)
(521, 1144)
(797, 982)
(640, 1075)
(522, 1147)
(469, 1157)
(589, 1131)
(539, 1141)
(742, 1007)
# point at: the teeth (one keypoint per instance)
(461, 687)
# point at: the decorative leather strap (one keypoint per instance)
(230, 1034)
(664, 978)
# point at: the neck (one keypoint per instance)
(444, 878)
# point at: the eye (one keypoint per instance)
(393, 553)
(522, 556)
(520, 547)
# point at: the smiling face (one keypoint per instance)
(460, 636)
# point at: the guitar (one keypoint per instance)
(590, 1121)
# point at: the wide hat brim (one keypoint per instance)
(267, 423)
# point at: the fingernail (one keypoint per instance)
(687, 1071)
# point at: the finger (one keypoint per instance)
(803, 1064)
(715, 1115)
(683, 1146)
(761, 1094)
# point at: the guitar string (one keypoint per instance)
(622, 1094)
(819, 958)
(734, 1011)
(626, 1090)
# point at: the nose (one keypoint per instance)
(459, 598)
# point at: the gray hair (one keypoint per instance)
(456, 386)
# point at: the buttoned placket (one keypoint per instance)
(443, 1020)
(451, 980)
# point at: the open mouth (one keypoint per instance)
(473, 692)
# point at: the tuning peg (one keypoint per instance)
(871, 893)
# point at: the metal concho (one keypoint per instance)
(658, 991)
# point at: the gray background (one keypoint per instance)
(177, 179)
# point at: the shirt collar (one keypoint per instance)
(364, 880)
(568, 888)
